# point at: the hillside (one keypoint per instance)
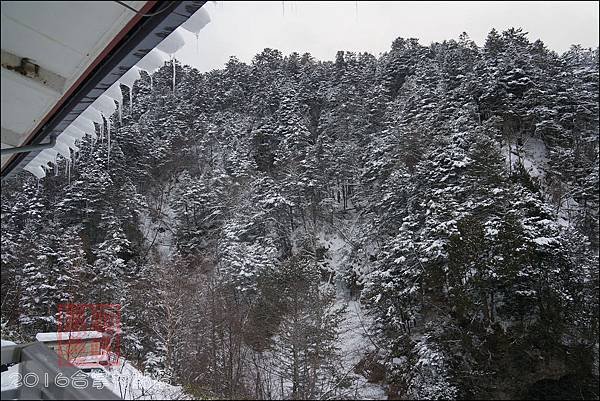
(418, 225)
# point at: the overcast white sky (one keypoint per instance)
(322, 28)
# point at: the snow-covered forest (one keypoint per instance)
(418, 225)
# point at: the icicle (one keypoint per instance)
(106, 105)
(94, 139)
(74, 132)
(45, 157)
(152, 62)
(131, 97)
(121, 113)
(93, 114)
(196, 22)
(56, 165)
(171, 44)
(128, 79)
(69, 172)
(108, 138)
(85, 125)
(173, 62)
(41, 173)
(62, 148)
(114, 92)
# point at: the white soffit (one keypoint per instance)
(63, 38)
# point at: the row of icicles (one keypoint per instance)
(105, 105)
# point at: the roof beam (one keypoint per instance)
(39, 76)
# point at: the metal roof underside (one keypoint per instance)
(58, 57)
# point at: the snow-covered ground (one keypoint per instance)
(354, 344)
(534, 156)
(131, 384)
(9, 378)
(354, 340)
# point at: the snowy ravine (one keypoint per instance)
(354, 345)
(156, 223)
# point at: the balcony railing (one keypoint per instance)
(42, 375)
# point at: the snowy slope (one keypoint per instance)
(131, 384)
(354, 345)
(156, 223)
